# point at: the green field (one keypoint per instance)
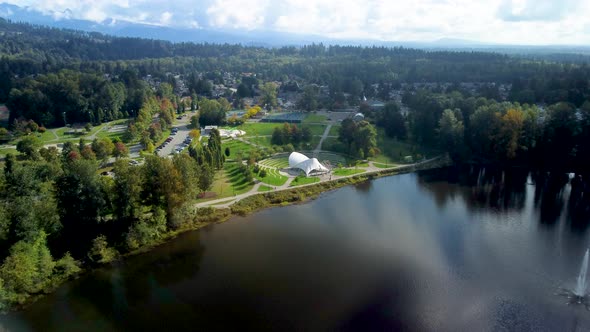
(273, 177)
(264, 188)
(347, 171)
(311, 118)
(260, 140)
(384, 165)
(276, 162)
(301, 180)
(236, 147)
(266, 129)
(229, 182)
(334, 131)
(5, 151)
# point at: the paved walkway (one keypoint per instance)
(318, 148)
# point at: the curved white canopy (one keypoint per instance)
(307, 165)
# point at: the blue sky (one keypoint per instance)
(501, 21)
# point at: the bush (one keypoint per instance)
(146, 230)
(100, 251)
(262, 173)
(65, 267)
(42, 129)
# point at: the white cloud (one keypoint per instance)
(165, 18)
(502, 21)
(237, 14)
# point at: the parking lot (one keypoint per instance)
(177, 139)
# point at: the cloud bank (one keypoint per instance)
(499, 21)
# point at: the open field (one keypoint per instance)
(347, 171)
(301, 180)
(266, 128)
(334, 131)
(264, 188)
(311, 118)
(229, 182)
(236, 147)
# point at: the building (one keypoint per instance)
(358, 117)
(300, 161)
(207, 130)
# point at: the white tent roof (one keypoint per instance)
(307, 165)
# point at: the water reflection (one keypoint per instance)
(458, 249)
(505, 191)
(481, 188)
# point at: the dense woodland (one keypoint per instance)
(57, 214)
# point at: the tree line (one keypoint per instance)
(484, 130)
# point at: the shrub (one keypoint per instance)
(146, 230)
(262, 173)
(67, 266)
(100, 251)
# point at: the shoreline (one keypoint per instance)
(209, 214)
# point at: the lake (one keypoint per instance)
(455, 249)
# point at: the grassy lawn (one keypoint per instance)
(5, 151)
(236, 147)
(314, 118)
(301, 180)
(384, 165)
(280, 161)
(316, 129)
(258, 128)
(260, 140)
(347, 171)
(264, 188)
(334, 130)
(228, 182)
(266, 128)
(273, 177)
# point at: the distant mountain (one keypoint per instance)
(121, 28)
(264, 38)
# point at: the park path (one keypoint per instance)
(54, 135)
(223, 203)
(324, 136)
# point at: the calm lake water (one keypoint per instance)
(444, 250)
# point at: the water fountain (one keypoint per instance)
(581, 284)
(578, 294)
